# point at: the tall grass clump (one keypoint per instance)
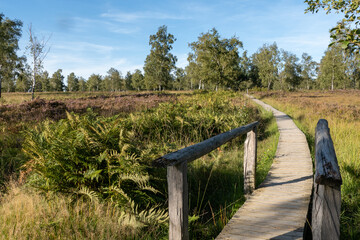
(27, 214)
(341, 110)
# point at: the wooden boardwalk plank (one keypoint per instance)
(278, 208)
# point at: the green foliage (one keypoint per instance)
(107, 158)
(72, 82)
(10, 32)
(267, 60)
(94, 83)
(95, 159)
(11, 156)
(57, 81)
(290, 74)
(160, 62)
(346, 33)
(113, 81)
(86, 156)
(332, 69)
(216, 61)
(137, 80)
(308, 71)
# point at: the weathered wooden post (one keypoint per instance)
(176, 163)
(178, 201)
(250, 149)
(327, 186)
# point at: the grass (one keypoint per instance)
(215, 181)
(27, 214)
(16, 117)
(342, 110)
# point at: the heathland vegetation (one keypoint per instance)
(341, 109)
(75, 163)
(69, 162)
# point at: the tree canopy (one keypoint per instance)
(347, 31)
(216, 61)
(267, 60)
(10, 32)
(160, 62)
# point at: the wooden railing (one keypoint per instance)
(176, 164)
(327, 186)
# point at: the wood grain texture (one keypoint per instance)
(198, 150)
(178, 201)
(326, 164)
(327, 190)
(250, 151)
(326, 212)
(278, 208)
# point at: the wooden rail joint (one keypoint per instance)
(327, 186)
(176, 163)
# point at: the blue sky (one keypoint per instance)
(91, 36)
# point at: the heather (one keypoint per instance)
(107, 160)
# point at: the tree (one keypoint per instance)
(352, 69)
(94, 82)
(308, 70)
(72, 82)
(113, 81)
(249, 75)
(23, 78)
(82, 84)
(10, 32)
(267, 60)
(128, 81)
(37, 51)
(160, 62)
(57, 81)
(290, 74)
(217, 59)
(332, 69)
(45, 81)
(137, 80)
(180, 79)
(346, 32)
(193, 75)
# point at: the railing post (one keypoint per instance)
(327, 186)
(178, 201)
(250, 149)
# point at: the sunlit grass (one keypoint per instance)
(342, 110)
(25, 214)
(216, 181)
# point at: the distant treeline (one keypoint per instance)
(213, 63)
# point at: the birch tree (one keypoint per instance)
(37, 50)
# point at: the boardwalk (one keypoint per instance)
(278, 208)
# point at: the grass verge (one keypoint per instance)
(341, 110)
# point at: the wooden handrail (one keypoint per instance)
(327, 186)
(193, 152)
(176, 163)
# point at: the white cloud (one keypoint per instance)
(84, 46)
(84, 24)
(124, 17)
(84, 67)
